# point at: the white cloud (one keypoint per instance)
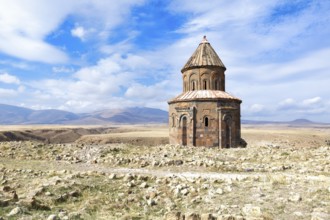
(79, 32)
(16, 64)
(10, 79)
(24, 27)
(311, 101)
(7, 93)
(257, 108)
(21, 89)
(254, 30)
(62, 69)
(30, 49)
(212, 14)
(288, 103)
(94, 87)
(305, 107)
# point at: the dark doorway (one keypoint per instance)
(184, 131)
(228, 136)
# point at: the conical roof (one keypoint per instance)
(203, 56)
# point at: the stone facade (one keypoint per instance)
(204, 114)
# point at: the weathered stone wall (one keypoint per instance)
(230, 124)
(211, 78)
(209, 123)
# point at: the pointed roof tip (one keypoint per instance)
(204, 40)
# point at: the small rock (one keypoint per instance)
(144, 164)
(184, 192)
(152, 195)
(208, 217)
(229, 188)
(128, 177)
(298, 214)
(62, 214)
(320, 216)
(131, 184)
(53, 217)
(219, 191)
(174, 216)
(38, 191)
(113, 176)
(74, 193)
(205, 186)
(14, 196)
(295, 198)
(4, 203)
(197, 199)
(6, 188)
(144, 185)
(155, 163)
(151, 202)
(193, 216)
(178, 162)
(62, 198)
(74, 215)
(251, 210)
(15, 211)
(159, 181)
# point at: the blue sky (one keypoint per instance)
(86, 55)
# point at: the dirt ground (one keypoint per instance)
(131, 172)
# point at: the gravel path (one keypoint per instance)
(164, 172)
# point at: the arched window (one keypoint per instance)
(205, 85)
(206, 121)
(216, 85)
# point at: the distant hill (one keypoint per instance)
(296, 122)
(133, 115)
(302, 121)
(18, 115)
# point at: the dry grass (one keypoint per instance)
(283, 174)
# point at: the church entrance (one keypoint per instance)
(227, 129)
(184, 131)
(228, 136)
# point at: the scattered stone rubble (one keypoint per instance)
(257, 182)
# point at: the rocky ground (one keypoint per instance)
(280, 175)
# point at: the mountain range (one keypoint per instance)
(11, 115)
(14, 115)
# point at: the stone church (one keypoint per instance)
(204, 114)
